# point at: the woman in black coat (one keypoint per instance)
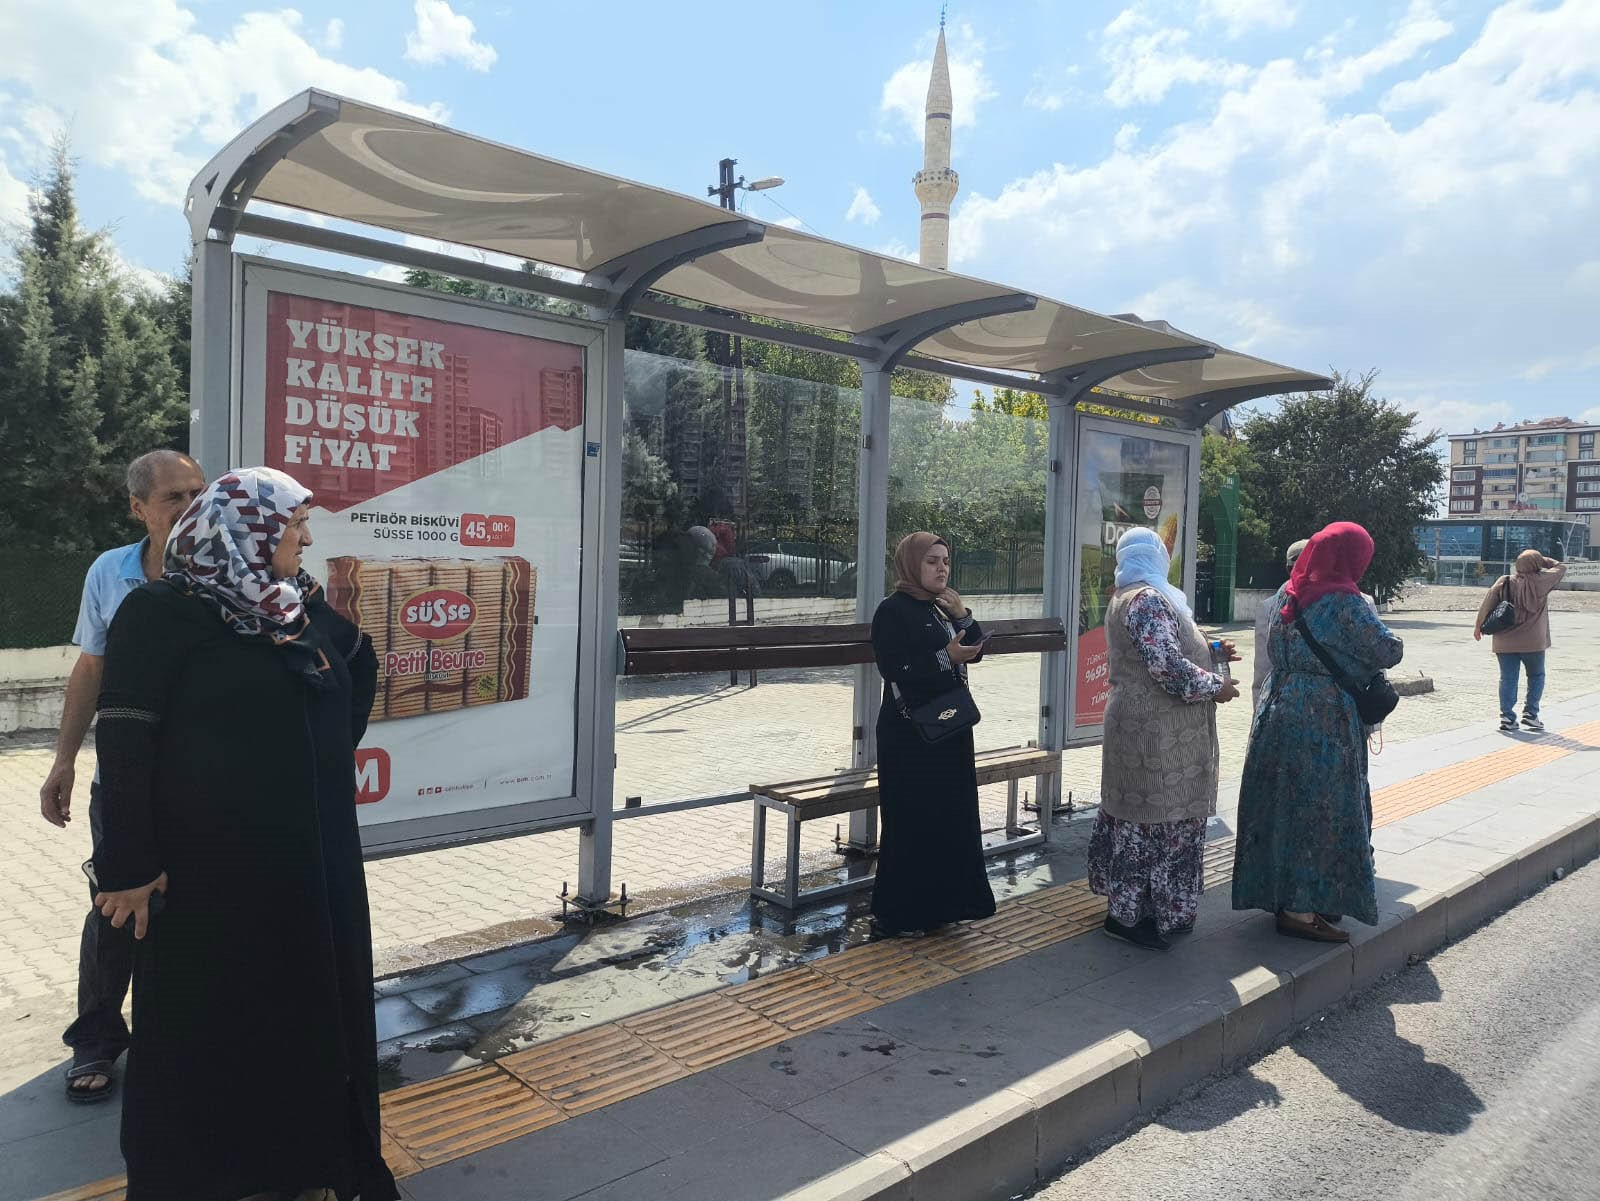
(930, 858)
(232, 703)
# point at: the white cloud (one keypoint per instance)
(1240, 17)
(444, 35)
(905, 95)
(896, 249)
(143, 92)
(1452, 414)
(333, 35)
(790, 223)
(13, 196)
(1148, 62)
(1385, 203)
(862, 208)
(1053, 90)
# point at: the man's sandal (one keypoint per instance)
(88, 1095)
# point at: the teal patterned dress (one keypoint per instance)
(1305, 808)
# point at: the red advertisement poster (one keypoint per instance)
(360, 401)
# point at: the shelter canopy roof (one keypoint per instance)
(351, 161)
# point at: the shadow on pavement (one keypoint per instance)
(1392, 1077)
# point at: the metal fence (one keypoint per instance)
(39, 600)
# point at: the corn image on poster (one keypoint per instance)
(1125, 480)
(446, 461)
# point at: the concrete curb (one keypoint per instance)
(1025, 1133)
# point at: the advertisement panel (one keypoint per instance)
(446, 458)
(1126, 477)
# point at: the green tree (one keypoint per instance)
(1346, 455)
(1220, 459)
(87, 380)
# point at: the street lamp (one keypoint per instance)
(727, 185)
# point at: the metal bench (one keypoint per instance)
(845, 792)
(687, 650)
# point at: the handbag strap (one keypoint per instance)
(1340, 676)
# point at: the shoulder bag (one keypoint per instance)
(1375, 699)
(945, 715)
(1503, 616)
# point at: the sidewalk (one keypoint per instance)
(704, 1054)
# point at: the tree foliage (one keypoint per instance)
(1346, 455)
(88, 379)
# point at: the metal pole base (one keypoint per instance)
(582, 909)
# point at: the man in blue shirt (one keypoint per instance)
(160, 486)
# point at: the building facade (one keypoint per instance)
(1474, 551)
(1537, 467)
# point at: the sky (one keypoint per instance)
(1409, 186)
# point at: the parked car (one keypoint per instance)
(785, 566)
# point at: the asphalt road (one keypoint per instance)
(1473, 1074)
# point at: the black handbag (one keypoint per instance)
(1503, 616)
(1375, 699)
(942, 717)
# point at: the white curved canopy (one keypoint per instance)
(340, 158)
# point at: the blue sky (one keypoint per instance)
(1406, 185)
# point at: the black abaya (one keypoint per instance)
(930, 859)
(254, 1063)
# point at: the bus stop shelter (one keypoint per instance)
(628, 249)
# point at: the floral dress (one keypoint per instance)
(1305, 807)
(1154, 869)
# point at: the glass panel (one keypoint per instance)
(978, 481)
(1126, 479)
(729, 519)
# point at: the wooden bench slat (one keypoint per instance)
(695, 637)
(821, 796)
(688, 662)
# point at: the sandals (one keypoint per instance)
(1317, 929)
(95, 1067)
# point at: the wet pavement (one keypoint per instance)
(476, 1009)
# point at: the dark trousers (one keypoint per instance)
(105, 969)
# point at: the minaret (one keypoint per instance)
(936, 183)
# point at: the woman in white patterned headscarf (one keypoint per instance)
(1158, 773)
(232, 704)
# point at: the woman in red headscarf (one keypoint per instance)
(1304, 850)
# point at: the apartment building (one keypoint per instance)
(1548, 466)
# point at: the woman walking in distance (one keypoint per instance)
(232, 703)
(1158, 776)
(1522, 647)
(1304, 849)
(930, 861)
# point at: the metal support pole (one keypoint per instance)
(1060, 499)
(872, 551)
(211, 357)
(594, 837)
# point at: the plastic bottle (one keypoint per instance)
(1220, 662)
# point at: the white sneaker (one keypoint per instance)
(1534, 724)
(1508, 723)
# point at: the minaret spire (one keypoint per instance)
(936, 184)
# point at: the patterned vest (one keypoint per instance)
(1159, 757)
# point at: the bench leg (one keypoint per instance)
(791, 881)
(1047, 802)
(1011, 808)
(758, 847)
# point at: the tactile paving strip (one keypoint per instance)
(885, 970)
(706, 1031)
(439, 1120)
(591, 1070)
(444, 1119)
(967, 950)
(801, 999)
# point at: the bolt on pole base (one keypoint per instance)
(581, 909)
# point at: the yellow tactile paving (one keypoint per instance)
(706, 1031)
(464, 1112)
(440, 1120)
(591, 1070)
(885, 970)
(802, 999)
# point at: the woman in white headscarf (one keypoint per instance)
(1158, 778)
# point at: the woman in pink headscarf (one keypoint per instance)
(1304, 850)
